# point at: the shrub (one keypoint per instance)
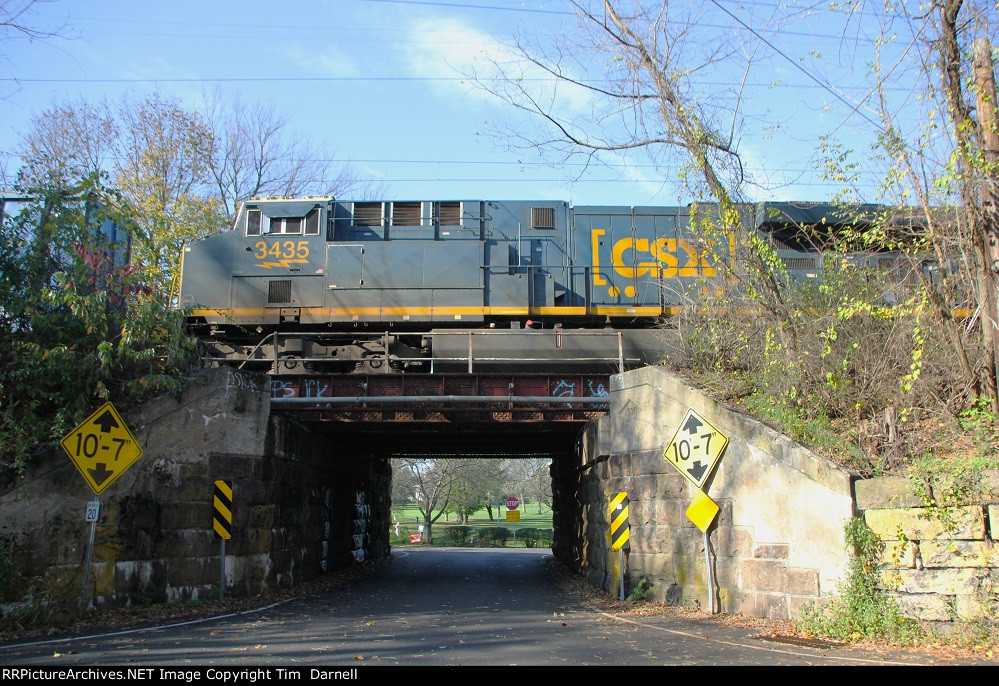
(494, 536)
(457, 535)
(862, 609)
(535, 538)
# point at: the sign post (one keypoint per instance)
(102, 449)
(620, 530)
(513, 515)
(222, 523)
(93, 512)
(695, 450)
(702, 512)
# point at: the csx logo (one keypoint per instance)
(660, 258)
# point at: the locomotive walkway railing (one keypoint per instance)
(614, 341)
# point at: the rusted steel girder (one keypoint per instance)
(443, 397)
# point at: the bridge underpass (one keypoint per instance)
(468, 415)
(308, 459)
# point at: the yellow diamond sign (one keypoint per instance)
(696, 448)
(102, 447)
(702, 511)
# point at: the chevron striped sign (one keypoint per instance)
(222, 521)
(620, 530)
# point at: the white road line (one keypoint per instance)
(748, 646)
(145, 628)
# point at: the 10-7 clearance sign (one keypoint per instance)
(696, 448)
(101, 447)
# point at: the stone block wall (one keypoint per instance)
(300, 508)
(941, 565)
(776, 543)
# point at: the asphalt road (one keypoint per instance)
(433, 606)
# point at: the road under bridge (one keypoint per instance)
(308, 461)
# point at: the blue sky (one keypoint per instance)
(379, 83)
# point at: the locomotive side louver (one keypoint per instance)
(543, 217)
(799, 262)
(278, 292)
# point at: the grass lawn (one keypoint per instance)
(480, 530)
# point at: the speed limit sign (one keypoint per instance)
(93, 510)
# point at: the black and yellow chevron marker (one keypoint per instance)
(222, 521)
(620, 530)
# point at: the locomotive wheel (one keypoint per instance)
(289, 364)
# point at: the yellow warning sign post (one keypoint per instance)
(222, 523)
(101, 447)
(620, 530)
(702, 512)
(222, 507)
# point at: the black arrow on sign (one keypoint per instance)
(100, 474)
(107, 422)
(697, 470)
(692, 425)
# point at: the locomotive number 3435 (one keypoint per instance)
(281, 249)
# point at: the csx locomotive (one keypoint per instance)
(326, 285)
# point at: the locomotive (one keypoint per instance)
(325, 285)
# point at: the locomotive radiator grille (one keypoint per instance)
(279, 292)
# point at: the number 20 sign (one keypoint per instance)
(696, 448)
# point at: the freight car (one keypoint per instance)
(326, 285)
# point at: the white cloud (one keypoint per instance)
(450, 48)
(329, 61)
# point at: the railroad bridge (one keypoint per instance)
(308, 457)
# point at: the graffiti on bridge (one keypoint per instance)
(299, 388)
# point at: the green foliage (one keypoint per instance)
(944, 483)
(535, 538)
(862, 609)
(641, 590)
(8, 573)
(456, 535)
(78, 326)
(980, 420)
(810, 428)
(494, 536)
(151, 594)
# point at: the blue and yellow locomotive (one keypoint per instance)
(321, 284)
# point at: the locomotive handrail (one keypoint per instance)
(275, 337)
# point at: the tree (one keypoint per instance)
(433, 481)
(475, 482)
(539, 481)
(154, 151)
(76, 325)
(866, 343)
(255, 155)
(69, 141)
(403, 484)
(166, 151)
(17, 20)
(183, 172)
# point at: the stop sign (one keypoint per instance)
(512, 503)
